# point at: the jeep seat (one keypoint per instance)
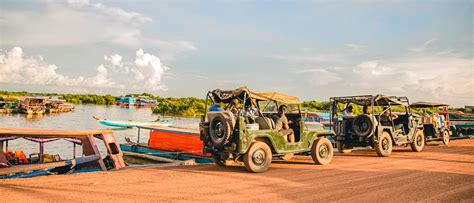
(265, 123)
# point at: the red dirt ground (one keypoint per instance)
(439, 173)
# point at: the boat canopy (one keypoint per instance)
(227, 96)
(366, 100)
(427, 105)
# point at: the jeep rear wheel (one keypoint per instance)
(341, 148)
(384, 145)
(258, 158)
(363, 125)
(418, 141)
(322, 151)
(446, 137)
(220, 131)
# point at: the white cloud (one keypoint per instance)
(82, 23)
(433, 75)
(112, 76)
(445, 79)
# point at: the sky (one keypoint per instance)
(310, 49)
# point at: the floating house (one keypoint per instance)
(33, 105)
(144, 102)
(126, 101)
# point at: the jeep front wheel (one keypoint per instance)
(322, 151)
(341, 148)
(384, 145)
(258, 158)
(446, 137)
(418, 141)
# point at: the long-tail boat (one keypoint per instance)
(132, 123)
(17, 164)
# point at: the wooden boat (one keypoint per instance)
(20, 165)
(169, 142)
(135, 154)
(131, 123)
(59, 167)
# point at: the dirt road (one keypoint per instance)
(438, 173)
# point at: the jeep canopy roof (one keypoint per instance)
(426, 105)
(379, 100)
(227, 96)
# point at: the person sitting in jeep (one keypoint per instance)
(386, 121)
(348, 111)
(235, 107)
(282, 124)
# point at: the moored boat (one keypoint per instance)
(18, 164)
(131, 123)
(169, 143)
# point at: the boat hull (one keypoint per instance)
(131, 124)
(172, 139)
(172, 155)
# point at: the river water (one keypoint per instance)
(81, 119)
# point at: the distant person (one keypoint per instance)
(235, 108)
(216, 107)
(249, 114)
(158, 119)
(282, 124)
(348, 112)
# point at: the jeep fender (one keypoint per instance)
(380, 130)
(262, 137)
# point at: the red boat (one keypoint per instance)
(175, 139)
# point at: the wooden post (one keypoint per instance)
(138, 140)
(6, 145)
(41, 152)
(89, 147)
(74, 150)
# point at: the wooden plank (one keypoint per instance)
(150, 157)
(27, 132)
(30, 167)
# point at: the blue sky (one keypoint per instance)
(310, 49)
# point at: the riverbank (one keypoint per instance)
(439, 173)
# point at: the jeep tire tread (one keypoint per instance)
(220, 131)
(384, 146)
(418, 141)
(446, 137)
(322, 151)
(258, 158)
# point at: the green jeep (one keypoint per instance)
(248, 134)
(378, 125)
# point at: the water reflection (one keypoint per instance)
(80, 119)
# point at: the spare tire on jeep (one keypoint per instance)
(363, 125)
(220, 130)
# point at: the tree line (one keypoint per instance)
(186, 106)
